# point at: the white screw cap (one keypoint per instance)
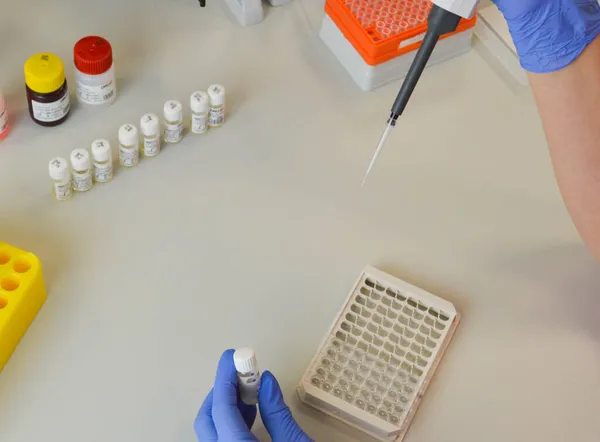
(80, 160)
(217, 94)
(59, 169)
(245, 360)
(199, 101)
(150, 125)
(173, 110)
(101, 150)
(128, 135)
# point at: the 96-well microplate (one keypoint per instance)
(373, 368)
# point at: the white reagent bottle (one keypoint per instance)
(248, 374)
(150, 125)
(173, 111)
(129, 146)
(103, 161)
(60, 173)
(199, 103)
(216, 116)
(82, 170)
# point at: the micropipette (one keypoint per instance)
(444, 17)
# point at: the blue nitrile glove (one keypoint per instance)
(550, 34)
(224, 417)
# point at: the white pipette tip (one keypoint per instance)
(384, 137)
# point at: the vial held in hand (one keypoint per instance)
(248, 375)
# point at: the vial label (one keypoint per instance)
(103, 173)
(96, 94)
(129, 156)
(151, 146)
(173, 132)
(199, 123)
(3, 120)
(63, 191)
(82, 182)
(217, 116)
(49, 112)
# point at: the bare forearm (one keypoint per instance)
(569, 104)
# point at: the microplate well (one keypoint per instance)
(373, 368)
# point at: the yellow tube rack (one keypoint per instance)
(22, 294)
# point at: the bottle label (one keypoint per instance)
(50, 112)
(63, 191)
(129, 156)
(3, 120)
(217, 116)
(96, 94)
(151, 146)
(82, 181)
(199, 123)
(173, 132)
(103, 173)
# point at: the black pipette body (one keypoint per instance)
(439, 22)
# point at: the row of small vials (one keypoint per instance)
(389, 17)
(207, 110)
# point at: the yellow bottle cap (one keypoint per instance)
(44, 73)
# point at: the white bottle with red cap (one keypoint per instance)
(248, 374)
(94, 72)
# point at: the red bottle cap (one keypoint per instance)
(93, 55)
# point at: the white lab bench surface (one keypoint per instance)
(254, 233)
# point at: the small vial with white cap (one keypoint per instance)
(60, 173)
(216, 117)
(248, 374)
(129, 146)
(150, 125)
(199, 105)
(81, 166)
(173, 111)
(103, 162)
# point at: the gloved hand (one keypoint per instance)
(550, 34)
(224, 417)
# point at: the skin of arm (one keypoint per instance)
(569, 105)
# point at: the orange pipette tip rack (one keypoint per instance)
(381, 30)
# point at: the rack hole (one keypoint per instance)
(9, 283)
(4, 257)
(370, 283)
(3, 303)
(412, 302)
(21, 265)
(364, 290)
